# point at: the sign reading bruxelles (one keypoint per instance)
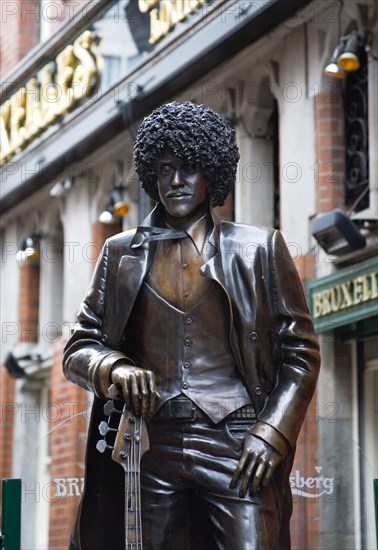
(58, 88)
(346, 296)
(165, 14)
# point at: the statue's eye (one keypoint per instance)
(189, 168)
(165, 168)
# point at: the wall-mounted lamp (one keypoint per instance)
(60, 187)
(347, 55)
(30, 247)
(333, 69)
(116, 206)
(15, 370)
(336, 233)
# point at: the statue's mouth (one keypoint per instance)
(177, 194)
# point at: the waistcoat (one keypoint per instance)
(189, 352)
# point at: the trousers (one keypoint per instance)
(186, 499)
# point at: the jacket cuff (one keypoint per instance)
(271, 436)
(102, 379)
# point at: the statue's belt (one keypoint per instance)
(182, 408)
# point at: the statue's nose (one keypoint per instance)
(177, 180)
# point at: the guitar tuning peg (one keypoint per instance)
(109, 408)
(104, 428)
(114, 392)
(102, 446)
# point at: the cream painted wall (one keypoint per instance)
(78, 249)
(297, 142)
(9, 285)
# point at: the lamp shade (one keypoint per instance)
(13, 367)
(120, 207)
(336, 233)
(333, 69)
(106, 217)
(349, 60)
(30, 248)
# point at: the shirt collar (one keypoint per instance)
(197, 232)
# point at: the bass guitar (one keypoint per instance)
(130, 443)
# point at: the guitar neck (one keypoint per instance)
(131, 442)
(133, 518)
(133, 526)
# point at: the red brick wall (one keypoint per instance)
(20, 20)
(306, 268)
(101, 232)
(304, 523)
(20, 26)
(67, 444)
(8, 410)
(330, 149)
(29, 302)
(69, 438)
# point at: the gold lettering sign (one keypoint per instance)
(164, 15)
(58, 88)
(351, 293)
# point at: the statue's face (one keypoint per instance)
(182, 189)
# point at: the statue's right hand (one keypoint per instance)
(138, 388)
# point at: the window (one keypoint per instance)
(357, 138)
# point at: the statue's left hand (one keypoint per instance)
(256, 465)
(138, 388)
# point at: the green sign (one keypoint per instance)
(345, 297)
(11, 520)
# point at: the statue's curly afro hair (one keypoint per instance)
(191, 132)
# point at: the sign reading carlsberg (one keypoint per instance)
(59, 87)
(165, 14)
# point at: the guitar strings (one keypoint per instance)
(127, 494)
(137, 451)
(132, 491)
(139, 495)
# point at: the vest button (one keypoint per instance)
(258, 391)
(189, 320)
(104, 337)
(185, 386)
(185, 265)
(187, 365)
(186, 293)
(253, 336)
(187, 342)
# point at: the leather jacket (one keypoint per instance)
(271, 331)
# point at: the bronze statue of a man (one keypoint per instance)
(203, 324)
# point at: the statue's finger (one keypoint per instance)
(247, 476)
(123, 383)
(238, 470)
(258, 477)
(143, 392)
(135, 394)
(153, 395)
(268, 473)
